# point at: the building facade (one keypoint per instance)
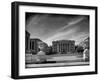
(27, 41)
(34, 45)
(63, 46)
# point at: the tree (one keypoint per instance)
(79, 49)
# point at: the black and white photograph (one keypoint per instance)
(51, 40)
(56, 40)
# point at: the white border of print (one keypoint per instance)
(38, 71)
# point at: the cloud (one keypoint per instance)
(65, 32)
(60, 36)
(75, 21)
(50, 27)
(71, 23)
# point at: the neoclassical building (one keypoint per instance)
(34, 45)
(27, 41)
(63, 46)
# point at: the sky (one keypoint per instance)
(52, 27)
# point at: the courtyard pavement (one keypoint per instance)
(57, 60)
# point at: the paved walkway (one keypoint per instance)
(59, 60)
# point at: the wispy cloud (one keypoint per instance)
(60, 36)
(64, 32)
(73, 22)
(50, 27)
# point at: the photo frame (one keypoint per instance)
(52, 40)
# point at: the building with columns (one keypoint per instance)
(34, 45)
(63, 46)
(27, 41)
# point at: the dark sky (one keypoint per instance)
(51, 27)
